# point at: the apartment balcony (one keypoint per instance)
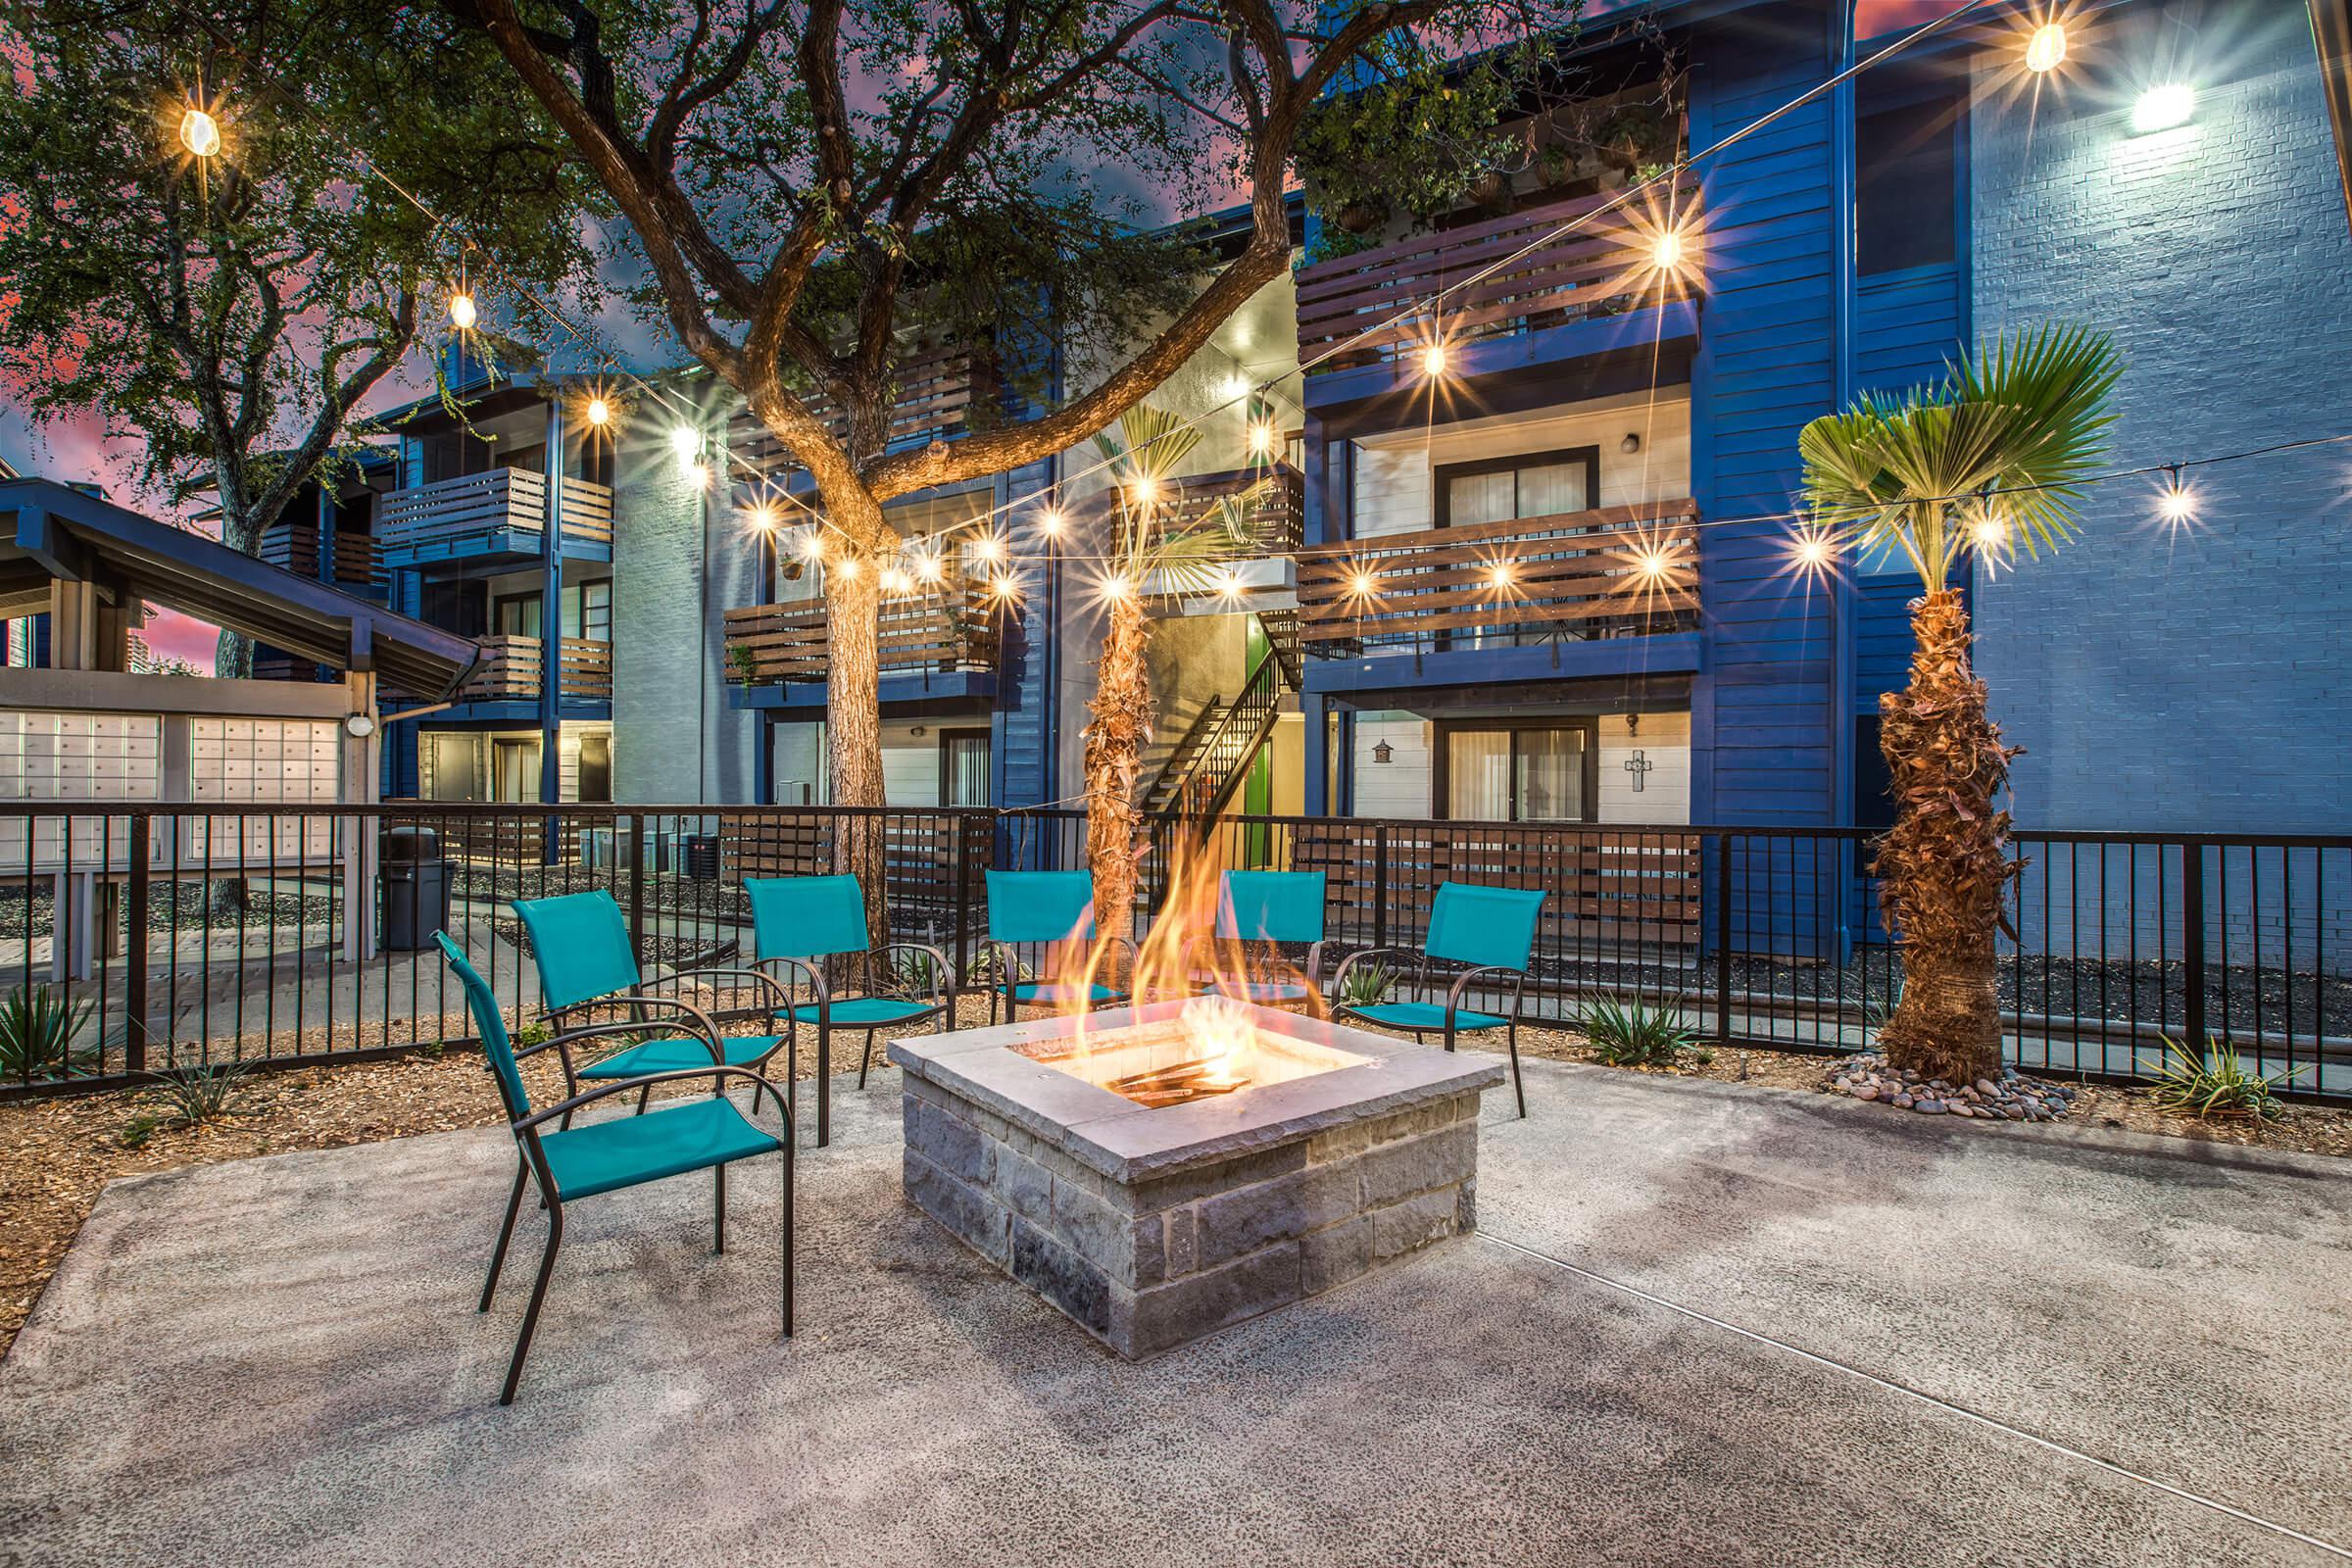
(501, 512)
(508, 681)
(1271, 498)
(353, 566)
(1590, 291)
(1611, 592)
(939, 643)
(939, 390)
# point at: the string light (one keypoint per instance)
(599, 413)
(1049, 523)
(2176, 504)
(1229, 584)
(848, 569)
(989, 548)
(698, 474)
(1433, 360)
(1654, 563)
(1361, 585)
(811, 546)
(1811, 549)
(2046, 48)
(1262, 438)
(686, 442)
(895, 581)
(763, 517)
(1002, 587)
(927, 568)
(1666, 250)
(1500, 574)
(199, 132)
(461, 309)
(1989, 533)
(1118, 590)
(1144, 488)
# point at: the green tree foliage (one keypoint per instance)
(232, 313)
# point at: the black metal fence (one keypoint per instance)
(138, 940)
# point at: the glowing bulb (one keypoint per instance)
(1002, 587)
(895, 581)
(1236, 387)
(1654, 563)
(686, 442)
(461, 311)
(2163, 107)
(1666, 250)
(989, 548)
(1812, 552)
(1361, 585)
(1988, 533)
(927, 568)
(1433, 360)
(1262, 438)
(1229, 584)
(1050, 521)
(2046, 48)
(200, 134)
(1144, 488)
(698, 474)
(848, 569)
(812, 547)
(1117, 590)
(1501, 575)
(761, 517)
(2176, 505)
(599, 412)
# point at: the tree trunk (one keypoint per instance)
(1122, 710)
(854, 727)
(1943, 868)
(232, 655)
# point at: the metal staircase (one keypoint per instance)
(1281, 627)
(1209, 763)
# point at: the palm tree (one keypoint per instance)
(1145, 550)
(1993, 461)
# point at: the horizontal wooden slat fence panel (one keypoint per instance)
(1608, 571)
(1605, 268)
(951, 627)
(434, 518)
(510, 670)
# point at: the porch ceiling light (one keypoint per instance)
(2163, 107)
(200, 134)
(2045, 49)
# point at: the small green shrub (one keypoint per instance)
(534, 1033)
(198, 1096)
(138, 1127)
(909, 977)
(1636, 1034)
(37, 1026)
(2214, 1083)
(1364, 985)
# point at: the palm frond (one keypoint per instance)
(2006, 444)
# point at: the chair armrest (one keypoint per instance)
(1314, 967)
(626, 1026)
(817, 981)
(674, 1075)
(943, 993)
(703, 1021)
(743, 972)
(1453, 996)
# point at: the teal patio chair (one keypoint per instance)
(1043, 910)
(797, 920)
(613, 1155)
(580, 942)
(1485, 932)
(1270, 908)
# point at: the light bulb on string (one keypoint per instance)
(2045, 47)
(200, 132)
(1049, 523)
(461, 309)
(1433, 360)
(2176, 504)
(599, 412)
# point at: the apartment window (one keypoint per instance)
(515, 616)
(1540, 772)
(1905, 189)
(965, 755)
(588, 611)
(1531, 485)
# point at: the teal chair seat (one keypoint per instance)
(1480, 934)
(674, 1055)
(1427, 1015)
(603, 1157)
(1057, 991)
(876, 1011)
(1265, 992)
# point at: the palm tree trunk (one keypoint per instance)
(1122, 711)
(1944, 866)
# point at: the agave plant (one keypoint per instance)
(1366, 984)
(1992, 461)
(1636, 1034)
(1148, 548)
(2214, 1083)
(37, 1026)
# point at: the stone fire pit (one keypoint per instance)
(1153, 1223)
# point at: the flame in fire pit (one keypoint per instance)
(1182, 956)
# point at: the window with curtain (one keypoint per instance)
(964, 756)
(1519, 773)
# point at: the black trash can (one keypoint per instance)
(701, 856)
(415, 882)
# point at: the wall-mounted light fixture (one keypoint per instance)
(2163, 107)
(1383, 751)
(1632, 442)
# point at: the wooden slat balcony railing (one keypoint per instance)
(1604, 269)
(1272, 498)
(436, 519)
(510, 671)
(1614, 572)
(295, 546)
(948, 628)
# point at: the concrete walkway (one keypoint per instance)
(277, 1363)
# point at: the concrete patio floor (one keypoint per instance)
(277, 1363)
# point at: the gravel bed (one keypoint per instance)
(181, 906)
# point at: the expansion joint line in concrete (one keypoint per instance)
(1920, 1394)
